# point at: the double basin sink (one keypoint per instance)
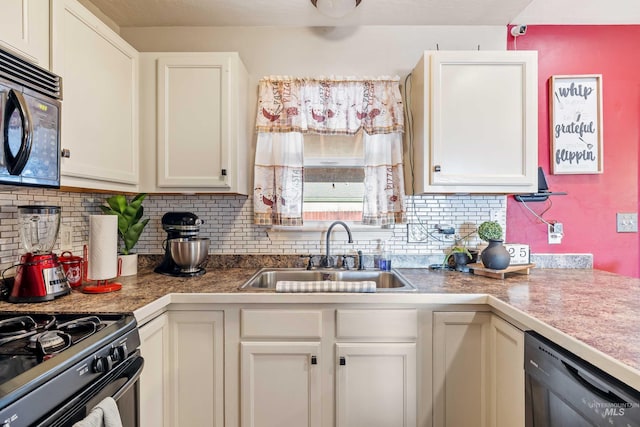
(386, 281)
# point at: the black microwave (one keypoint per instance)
(30, 111)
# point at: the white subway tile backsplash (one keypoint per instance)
(229, 223)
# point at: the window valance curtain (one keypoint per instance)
(288, 108)
(330, 106)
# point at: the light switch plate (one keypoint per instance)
(66, 237)
(627, 222)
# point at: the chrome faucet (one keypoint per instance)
(327, 261)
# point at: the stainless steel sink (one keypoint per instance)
(386, 281)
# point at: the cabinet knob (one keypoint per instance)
(223, 172)
(437, 168)
(343, 361)
(66, 153)
(314, 360)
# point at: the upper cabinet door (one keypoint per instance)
(100, 100)
(476, 122)
(24, 29)
(193, 121)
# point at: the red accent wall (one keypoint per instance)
(589, 210)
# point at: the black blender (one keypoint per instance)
(184, 251)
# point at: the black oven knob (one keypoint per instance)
(119, 352)
(102, 364)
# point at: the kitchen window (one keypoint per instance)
(333, 178)
(328, 149)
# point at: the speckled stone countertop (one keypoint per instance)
(573, 306)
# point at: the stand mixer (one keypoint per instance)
(184, 251)
(39, 275)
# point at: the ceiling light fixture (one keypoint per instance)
(335, 8)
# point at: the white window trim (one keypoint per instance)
(316, 230)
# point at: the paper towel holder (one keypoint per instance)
(100, 286)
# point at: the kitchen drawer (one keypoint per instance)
(281, 324)
(378, 325)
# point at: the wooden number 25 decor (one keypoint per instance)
(575, 105)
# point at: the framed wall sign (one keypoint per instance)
(575, 108)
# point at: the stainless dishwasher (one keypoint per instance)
(562, 390)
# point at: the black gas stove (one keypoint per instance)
(53, 368)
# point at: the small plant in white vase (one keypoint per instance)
(130, 227)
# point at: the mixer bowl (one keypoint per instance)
(189, 253)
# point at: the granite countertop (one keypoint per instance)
(596, 308)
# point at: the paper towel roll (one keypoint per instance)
(103, 247)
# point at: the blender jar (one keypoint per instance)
(38, 226)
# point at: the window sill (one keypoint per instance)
(316, 230)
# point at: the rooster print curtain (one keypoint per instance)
(277, 194)
(383, 180)
(288, 108)
(329, 106)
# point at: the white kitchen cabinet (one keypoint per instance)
(507, 374)
(154, 346)
(376, 384)
(100, 111)
(24, 29)
(281, 367)
(196, 360)
(281, 384)
(290, 376)
(478, 371)
(475, 126)
(461, 362)
(194, 123)
(376, 347)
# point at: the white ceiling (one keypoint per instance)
(300, 13)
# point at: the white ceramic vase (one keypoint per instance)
(128, 264)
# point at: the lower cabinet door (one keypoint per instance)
(507, 372)
(154, 345)
(376, 385)
(461, 379)
(196, 368)
(280, 384)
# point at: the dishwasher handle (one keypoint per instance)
(606, 394)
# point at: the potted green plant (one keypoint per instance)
(458, 257)
(495, 256)
(130, 227)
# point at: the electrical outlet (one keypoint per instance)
(66, 237)
(416, 233)
(556, 231)
(499, 216)
(627, 222)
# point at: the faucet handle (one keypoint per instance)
(348, 262)
(309, 261)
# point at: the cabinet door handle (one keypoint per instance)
(437, 168)
(314, 360)
(343, 361)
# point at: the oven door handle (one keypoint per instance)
(137, 364)
(16, 163)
